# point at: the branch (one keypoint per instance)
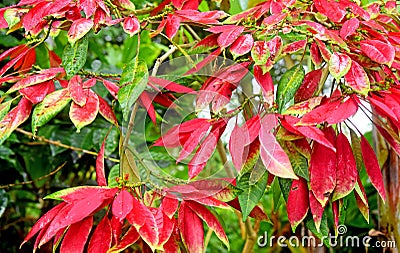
(37, 179)
(59, 144)
(251, 237)
(162, 59)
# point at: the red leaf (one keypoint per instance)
(194, 139)
(170, 140)
(38, 92)
(211, 221)
(315, 54)
(188, 222)
(314, 133)
(88, 6)
(378, 51)
(309, 86)
(209, 42)
(333, 10)
(391, 138)
(169, 85)
(266, 83)
(357, 79)
(212, 56)
(228, 36)
(147, 103)
(79, 28)
(294, 47)
(89, 83)
(144, 221)
(101, 238)
(169, 206)
(111, 87)
(346, 173)
(204, 152)
(77, 235)
(73, 195)
(323, 169)
(274, 19)
(324, 51)
(122, 204)
(242, 45)
(172, 25)
(349, 27)
(130, 237)
(297, 203)
(11, 63)
(30, 81)
(372, 167)
(165, 225)
(206, 17)
(237, 141)
(131, 25)
(100, 175)
(15, 118)
(44, 221)
(116, 228)
(76, 91)
(83, 116)
(253, 126)
(106, 111)
(55, 60)
(273, 157)
(331, 112)
(317, 210)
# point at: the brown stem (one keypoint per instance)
(251, 237)
(59, 144)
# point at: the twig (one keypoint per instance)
(162, 59)
(59, 144)
(190, 29)
(37, 179)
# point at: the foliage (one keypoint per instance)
(84, 66)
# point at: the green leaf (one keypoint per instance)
(74, 57)
(287, 87)
(5, 108)
(51, 105)
(128, 165)
(251, 194)
(133, 82)
(356, 147)
(276, 193)
(298, 161)
(285, 185)
(114, 173)
(323, 231)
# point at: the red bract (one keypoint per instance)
(372, 167)
(297, 203)
(378, 51)
(131, 25)
(346, 173)
(323, 169)
(82, 116)
(242, 45)
(79, 28)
